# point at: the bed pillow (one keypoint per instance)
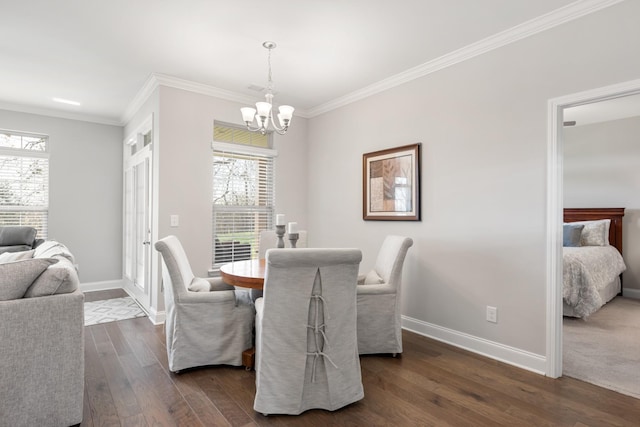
(595, 233)
(571, 234)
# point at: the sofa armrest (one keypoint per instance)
(42, 359)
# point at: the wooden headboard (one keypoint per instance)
(590, 214)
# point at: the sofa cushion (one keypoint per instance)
(15, 256)
(17, 276)
(60, 278)
(17, 235)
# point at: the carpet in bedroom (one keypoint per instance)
(604, 349)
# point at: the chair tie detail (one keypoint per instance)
(319, 331)
(316, 355)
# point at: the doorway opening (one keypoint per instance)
(555, 203)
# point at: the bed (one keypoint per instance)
(592, 264)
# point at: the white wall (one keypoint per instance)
(185, 169)
(483, 126)
(85, 189)
(601, 169)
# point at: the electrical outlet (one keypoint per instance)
(492, 314)
(175, 220)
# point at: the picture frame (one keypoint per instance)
(391, 184)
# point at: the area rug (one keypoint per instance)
(111, 310)
(604, 349)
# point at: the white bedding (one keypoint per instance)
(587, 270)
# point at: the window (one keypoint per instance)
(243, 194)
(24, 180)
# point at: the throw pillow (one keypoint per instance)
(372, 278)
(199, 284)
(16, 256)
(571, 234)
(57, 279)
(17, 276)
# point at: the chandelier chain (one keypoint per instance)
(269, 81)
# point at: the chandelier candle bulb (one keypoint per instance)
(280, 219)
(293, 228)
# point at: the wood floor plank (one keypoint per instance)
(225, 403)
(156, 412)
(118, 341)
(432, 383)
(103, 295)
(526, 396)
(102, 407)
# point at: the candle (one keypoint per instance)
(293, 227)
(280, 219)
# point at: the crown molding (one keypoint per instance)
(155, 80)
(537, 25)
(534, 26)
(50, 112)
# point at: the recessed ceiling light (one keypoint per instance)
(66, 101)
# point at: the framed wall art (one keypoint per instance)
(391, 184)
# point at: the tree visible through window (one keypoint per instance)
(243, 198)
(24, 180)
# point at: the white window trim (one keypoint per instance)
(244, 149)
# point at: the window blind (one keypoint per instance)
(24, 181)
(243, 201)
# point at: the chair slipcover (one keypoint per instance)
(306, 344)
(202, 328)
(269, 240)
(379, 322)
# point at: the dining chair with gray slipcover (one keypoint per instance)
(379, 321)
(207, 321)
(306, 344)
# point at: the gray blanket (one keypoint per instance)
(587, 269)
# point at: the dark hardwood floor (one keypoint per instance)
(127, 383)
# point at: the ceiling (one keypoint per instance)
(101, 53)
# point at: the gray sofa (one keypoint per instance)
(41, 338)
(18, 238)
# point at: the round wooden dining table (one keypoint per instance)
(246, 274)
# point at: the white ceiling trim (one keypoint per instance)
(57, 113)
(156, 80)
(542, 23)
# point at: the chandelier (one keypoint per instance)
(262, 113)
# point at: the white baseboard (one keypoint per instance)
(631, 293)
(510, 355)
(102, 286)
(157, 317)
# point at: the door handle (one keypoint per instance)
(146, 243)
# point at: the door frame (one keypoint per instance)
(555, 109)
(143, 153)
